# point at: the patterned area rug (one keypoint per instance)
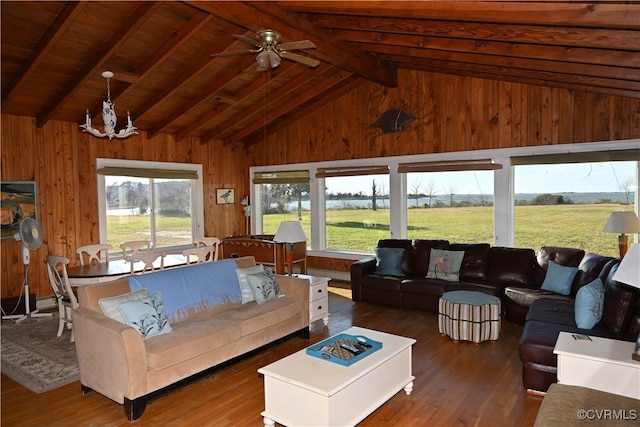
(34, 357)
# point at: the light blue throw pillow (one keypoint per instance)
(589, 304)
(264, 285)
(389, 261)
(245, 288)
(146, 315)
(559, 278)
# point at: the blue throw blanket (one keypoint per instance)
(196, 287)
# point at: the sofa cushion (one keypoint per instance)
(245, 289)
(445, 265)
(526, 296)
(589, 304)
(389, 261)
(190, 338)
(405, 244)
(474, 263)
(253, 317)
(146, 315)
(569, 257)
(588, 270)
(422, 255)
(264, 286)
(511, 266)
(559, 278)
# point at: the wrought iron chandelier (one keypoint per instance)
(109, 117)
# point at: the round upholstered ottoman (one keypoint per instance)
(469, 316)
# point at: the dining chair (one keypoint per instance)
(67, 301)
(210, 242)
(97, 253)
(135, 246)
(198, 255)
(148, 258)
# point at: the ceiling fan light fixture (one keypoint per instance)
(262, 59)
(274, 59)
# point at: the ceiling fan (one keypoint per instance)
(269, 49)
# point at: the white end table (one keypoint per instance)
(599, 363)
(318, 297)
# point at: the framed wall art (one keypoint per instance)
(18, 200)
(224, 196)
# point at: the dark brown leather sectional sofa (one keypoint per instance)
(515, 275)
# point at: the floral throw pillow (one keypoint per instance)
(264, 286)
(445, 265)
(146, 315)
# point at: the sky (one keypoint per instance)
(565, 178)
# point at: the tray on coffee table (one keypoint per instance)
(344, 349)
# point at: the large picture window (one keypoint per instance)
(568, 204)
(150, 201)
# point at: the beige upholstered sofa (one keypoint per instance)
(117, 362)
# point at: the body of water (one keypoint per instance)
(577, 198)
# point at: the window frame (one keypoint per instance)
(504, 201)
(197, 198)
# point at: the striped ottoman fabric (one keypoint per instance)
(469, 316)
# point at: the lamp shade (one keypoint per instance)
(290, 232)
(629, 269)
(622, 222)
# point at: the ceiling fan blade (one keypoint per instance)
(300, 44)
(247, 40)
(234, 52)
(300, 58)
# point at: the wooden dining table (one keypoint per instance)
(88, 274)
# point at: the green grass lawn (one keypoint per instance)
(578, 226)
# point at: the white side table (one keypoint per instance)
(318, 297)
(601, 364)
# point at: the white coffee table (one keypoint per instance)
(302, 390)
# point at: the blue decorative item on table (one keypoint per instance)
(344, 349)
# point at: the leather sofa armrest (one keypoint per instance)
(112, 356)
(359, 270)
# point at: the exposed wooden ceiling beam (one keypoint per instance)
(283, 109)
(128, 27)
(582, 14)
(340, 88)
(47, 43)
(329, 49)
(256, 116)
(604, 71)
(521, 50)
(558, 36)
(496, 72)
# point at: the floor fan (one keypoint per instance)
(30, 234)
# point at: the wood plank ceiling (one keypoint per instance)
(53, 54)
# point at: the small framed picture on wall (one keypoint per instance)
(225, 196)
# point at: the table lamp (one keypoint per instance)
(629, 273)
(623, 223)
(290, 232)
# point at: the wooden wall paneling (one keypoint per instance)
(562, 114)
(87, 191)
(534, 101)
(579, 116)
(634, 123)
(599, 117)
(504, 115)
(462, 99)
(491, 112)
(477, 111)
(546, 116)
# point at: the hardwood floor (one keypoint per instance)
(457, 384)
